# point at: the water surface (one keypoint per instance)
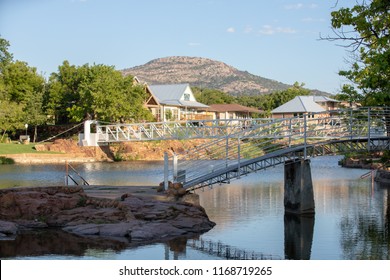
(351, 221)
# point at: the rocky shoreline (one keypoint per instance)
(132, 218)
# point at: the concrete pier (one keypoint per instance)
(298, 188)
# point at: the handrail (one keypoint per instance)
(68, 165)
(371, 172)
(368, 124)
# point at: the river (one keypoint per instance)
(352, 217)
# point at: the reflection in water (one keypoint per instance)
(365, 234)
(228, 252)
(55, 242)
(298, 236)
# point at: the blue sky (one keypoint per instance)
(276, 39)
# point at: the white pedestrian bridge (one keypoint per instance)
(240, 147)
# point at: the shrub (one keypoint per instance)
(5, 160)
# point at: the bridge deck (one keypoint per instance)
(239, 147)
(241, 168)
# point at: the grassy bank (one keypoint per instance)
(13, 148)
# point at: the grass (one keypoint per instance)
(13, 148)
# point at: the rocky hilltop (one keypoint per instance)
(204, 73)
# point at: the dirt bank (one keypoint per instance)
(68, 150)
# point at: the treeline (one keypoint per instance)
(265, 102)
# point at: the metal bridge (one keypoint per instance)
(242, 146)
(189, 129)
(266, 144)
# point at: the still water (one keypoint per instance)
(352, 218)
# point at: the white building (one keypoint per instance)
(174, 102)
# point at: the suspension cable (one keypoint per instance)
(50, 138)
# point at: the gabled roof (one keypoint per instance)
(318, 98)
(300, 104)
(172, 95)
(232, 108)
(168, 92)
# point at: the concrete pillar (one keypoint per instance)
(87, 132)
(88, 138)
(298, 188)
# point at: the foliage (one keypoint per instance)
(349, 94)
(273, 100)
(21, 93)
(5, 55)
(5, 160)
(24, 88)
(212, 96)
(365, 28)
(97, 91)
(11, 117)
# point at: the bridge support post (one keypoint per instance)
(87, 138)
(298, 188)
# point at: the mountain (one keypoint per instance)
(203, 73)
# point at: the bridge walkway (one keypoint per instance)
(268, 144)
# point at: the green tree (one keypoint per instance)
(96, 91)
(349, 93)
(5, 55)
(212, 96)
(63, 91)
(268, 102)
(11, 116)
(365, 29)
(24, 87)
(21, 92)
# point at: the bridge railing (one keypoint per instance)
(174, 130)
(262, 138)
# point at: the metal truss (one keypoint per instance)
(189, 129)
(272, 159)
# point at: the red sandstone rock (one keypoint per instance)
(136, 218)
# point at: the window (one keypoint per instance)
(187, 96)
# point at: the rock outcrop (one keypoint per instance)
(203, 73)
(138, 219)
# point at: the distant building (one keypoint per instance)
(304, 104)
(174, 102)
(232, 111)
